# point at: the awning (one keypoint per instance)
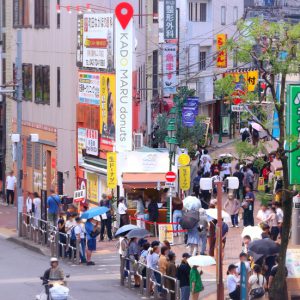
(142, 180)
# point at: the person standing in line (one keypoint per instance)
(122, 210)
(29, 207)
(240, 176)
(153, 214)
(140, 212)
(263, 214)
(106, 219)
(233, 282)
(70, 224)
(196, 285)
(11, 183)
(37, 204)
(226, 169)
(248, 206)
(91, 226)
(177, 207)
(134, 255)
(171, 272)
(279, 213)
(203, 227)
(61, 224)
(53, 204)
(163, 261)
(183, 275)
(232, 206)
(152, 263)
(79, 233)
(205, 195)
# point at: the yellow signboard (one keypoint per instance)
(184, 159)
(222, 53)
(92, 187)
(165, 233)
(252, 79)
(112, 170)
(261, 184)
(185, 178)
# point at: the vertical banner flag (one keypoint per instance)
(81, 143)
(112, 170)
(185, 178)
(190, 111)
(222, 53)
(169, 69)
(293, 132)
(123, 51)
(170, 19)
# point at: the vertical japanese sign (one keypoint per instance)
(81, 143)
(222, 53)
(107, 108)
(92, 187)
(252, 80)
(170, 20)
(98, 41)
(123, 54)
(293, 132)
(112, 170)
(161, 21)
(79, 54)
(92, 142)
(169, 69)
(185, 178)
(89, 87)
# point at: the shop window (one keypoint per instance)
(202, 60)
(28, 153)
(41, 13)
(223, 15)
(155, 11)
(27, 82)
(21, 13)
(42, 84)
(235, 14)
(37, 156)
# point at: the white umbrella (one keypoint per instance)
(256, 126)
(225, 155)
(191, 202)
(213, 213)
(201, 261)
(253, 231)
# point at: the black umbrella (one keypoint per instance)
(265, 247)
(189, 219)
(138, 233)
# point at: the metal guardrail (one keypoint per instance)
(149, 285)
(44, 233)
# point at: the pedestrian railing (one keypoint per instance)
(152, 282)
(45, 234)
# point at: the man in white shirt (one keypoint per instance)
(206, 166)
(262, 214)
(79, 232)
(11, 182)
(29, 203)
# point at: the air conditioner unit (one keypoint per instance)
(138, 140)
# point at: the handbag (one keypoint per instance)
(258, 292)
(95, 233)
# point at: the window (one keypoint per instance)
(140, 13)
(155, 11)
(42, 84)
(3, 14)
(202, 60)
(58, 86)
(37, 156)
(235, 14)
(28, 153)
(223, 15)
(58, 15)
(21, 13)
(197, 12)
(27, 81)
(41, 13)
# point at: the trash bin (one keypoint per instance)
(296, 220)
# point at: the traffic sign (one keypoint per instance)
(170, 176)
(169, 184)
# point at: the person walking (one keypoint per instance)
(37, 204)
(80, 236)
(248, 206)
(257, 284)
(232, 206)
(177, 207)
(196, 184)
(122, 210)
(29, 207)
(153, 214)
(196, 285)
(193, 240)
(240, 175)
(233, 282)
(11, 183)
(134, 255)
(106, 219)
(53, 204)
(183, 275)
(273, 223)
(248, 177)
(140, 212)
(91, 228)
(203, 228)
(171, 272)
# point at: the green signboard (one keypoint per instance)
(293, 132)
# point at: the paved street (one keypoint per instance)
(21, 268)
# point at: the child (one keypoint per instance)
(232, 206)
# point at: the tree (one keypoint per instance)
(274, 49)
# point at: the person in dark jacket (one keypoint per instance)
(153, 213)
(171, 272)
(183, 275)
(106, 219)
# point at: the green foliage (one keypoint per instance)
(161, 133)
(264, 198)
(224, 87)
(246, 151)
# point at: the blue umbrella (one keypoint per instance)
(125, 229)
(95, 211)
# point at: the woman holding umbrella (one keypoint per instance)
(134, 255)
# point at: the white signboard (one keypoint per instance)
(161, 21)
(169, 184)
(81, 140)
(79, 196)
(237, 108)
(98, 41)
(89, 87)
(169, 67)
(123, 54)
(92, 142)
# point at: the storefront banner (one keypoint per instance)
(112, 179)
(98, 41)
(89, 87)
(185, 178)
(79, 196)
(92, 188)
(192, 102)
(222, 53)
(92, 142)
(165, 233)
(169, 69)
(108, 107)
(252, 80)
(124, 65)
(170, 19)
(81, 183)
(188, 116)
(81, 143)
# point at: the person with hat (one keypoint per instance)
(183, 275)
(233, 281)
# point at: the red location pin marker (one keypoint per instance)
(124, 13)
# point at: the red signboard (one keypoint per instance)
(170, 177)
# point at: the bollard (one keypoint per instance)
(177, 290)
(122, 265)
(57, 244)
(77, 251)
(155, 229)
(20, 225)
(148, 283)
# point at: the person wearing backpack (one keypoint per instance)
(53, 205)
(196, 184)
(257, 284)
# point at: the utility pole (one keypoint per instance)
(19, 94)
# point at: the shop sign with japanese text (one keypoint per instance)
(89, 87)
(169, 69)
(222, 53)
(79, 54)
(170, 20)
(79, 196)
(112, 170)
(185, 178)
(98, 41)
(92, 142)
(81, 143)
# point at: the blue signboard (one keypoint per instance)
(192, 102)
(188, 116)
